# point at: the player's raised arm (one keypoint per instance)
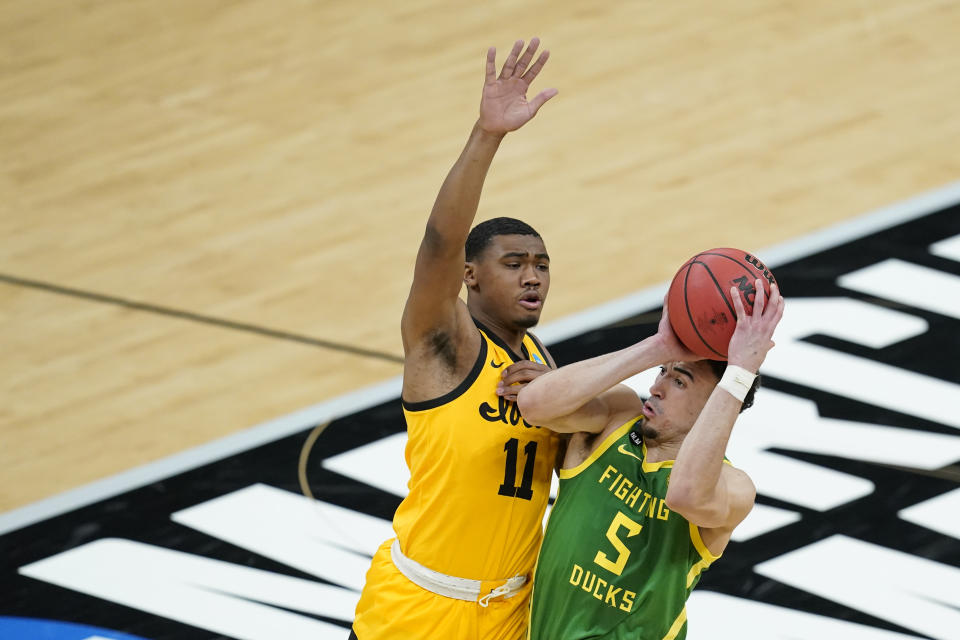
(432, 305)
(702, 489)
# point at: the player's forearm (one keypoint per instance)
(563, 391)
(696, 471)
(459, 197)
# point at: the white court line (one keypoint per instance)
(947, 248)
(837, 234)
(556, 331)
(941, 514)
(908, 284)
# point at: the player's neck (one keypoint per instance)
(662, 449)
(511, 336)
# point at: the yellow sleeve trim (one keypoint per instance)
(696, 570)
(610, 439)
(706, 558)
(699, 545)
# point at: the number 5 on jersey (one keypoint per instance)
(633, 528)
(509, 487)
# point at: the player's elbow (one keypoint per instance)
(691, 502)
(680, 497)
(533, 405)
(714, 508)
(697, 512)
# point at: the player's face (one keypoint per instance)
(511, 279)
(677, 397)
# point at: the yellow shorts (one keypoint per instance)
(393, 608)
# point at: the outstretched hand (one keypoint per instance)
(504, 106)
(753, 337)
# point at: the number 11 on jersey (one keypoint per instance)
(509, 487)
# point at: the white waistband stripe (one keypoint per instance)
(451, 586)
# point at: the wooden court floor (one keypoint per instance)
(209, 209)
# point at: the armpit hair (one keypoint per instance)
(443, 346)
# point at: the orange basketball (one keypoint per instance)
(699, 303)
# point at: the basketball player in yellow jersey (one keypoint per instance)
(469, 530)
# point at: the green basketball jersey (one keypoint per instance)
(616, 563)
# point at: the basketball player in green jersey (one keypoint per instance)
(647, 500)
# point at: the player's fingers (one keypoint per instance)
(737, 303)
(491, 71)
(513, 367)
(509, 377)
(535, 68)
(511, 61)
(773, 300)
(509, 386)
(519, 365)
(514, 379)
(760, 300)
(664, 313)
(778, 314)
(506, 392)
(774, 309)
(527, 56)
(524, 375)
(514, 372)
(541, 98)
(504, 389)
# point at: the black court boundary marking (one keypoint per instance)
(198, 318)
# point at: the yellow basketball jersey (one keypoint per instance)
(480, 475)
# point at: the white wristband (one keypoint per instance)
(736, 381)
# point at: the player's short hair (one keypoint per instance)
(719, 366)
(480, 235)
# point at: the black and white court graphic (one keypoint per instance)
(854, 445)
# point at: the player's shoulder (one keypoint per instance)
(442, 359)
(451, 339)
(542, 349)
(591, 445)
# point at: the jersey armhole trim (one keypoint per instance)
(461, 388)
(706, 558)
(541, 349)
(677, 625)
(698, 544)
(610, 439)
